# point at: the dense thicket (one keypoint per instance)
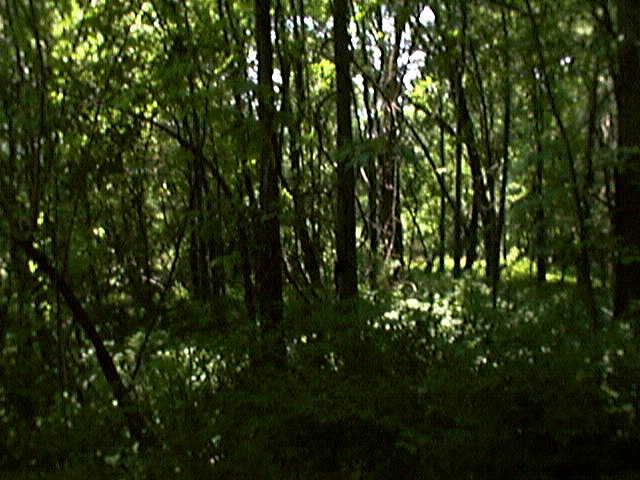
(330, 239)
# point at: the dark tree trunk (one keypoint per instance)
(540, 231)
(246, 220)
(374, 228)
(481, 206)
(135, 421)
(471, 252)
(269, 265)
(205, 246)
(197, 245)
(389, 203)
(346, 275)
(466, 135)
(390, 208)
(293, 64)
(626, 212)
(442, 227)
(371, 169)
(583, 264)
(502, 207)
(540, 221)
(398, 231)
(457, 214)
(373, 128)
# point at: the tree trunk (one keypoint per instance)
(539, 252)
(373, 129)
(135, 421)
(627, 176)
(292, 64)
(457, 214)
(442, 227)
(583, 264)
(471, 252)
(346, 275)
(390, 218)
(540, 220)
(502, 207)
(269, 263)
(466, 134)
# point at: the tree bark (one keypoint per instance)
(372, 127)
(442, 227)
(457, 214)
(583, 264)
(346, 276)
(627, 176)
(538, 251)
(269, 271)
(465, 131)
(309, 251)
(540, 216)
(506, 140)
(390, 198)
(134, 419)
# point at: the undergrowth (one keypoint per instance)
(423, 381)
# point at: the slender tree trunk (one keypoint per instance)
(626, 214)
(309, 255)
(398, 231)
(389, 202)
(390, 208)
(491, 229)
(371, 169)
(269, 263)
(540, 219)
(457, 227)
(466, 132)
(442, 227)
(471, 252)
(246, 272)
(197, 256)
(500, 221)
(373, 130)
(246, 220)
(135, 421)
(480, 206)
(583, 264)
(346, 275)
(540, 231)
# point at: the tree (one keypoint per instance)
(174, 174)
(291, 54)
(582, 211)
(627, 175)
(390, 220)
(346, 275)
(269, 249)
(33, 140)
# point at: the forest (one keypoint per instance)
(325, 239)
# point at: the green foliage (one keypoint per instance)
(430, 381)
(128, 147)
(489, 396)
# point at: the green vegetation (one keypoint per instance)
(319, 240)
(430, 383)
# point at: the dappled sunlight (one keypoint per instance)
(292, 240)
